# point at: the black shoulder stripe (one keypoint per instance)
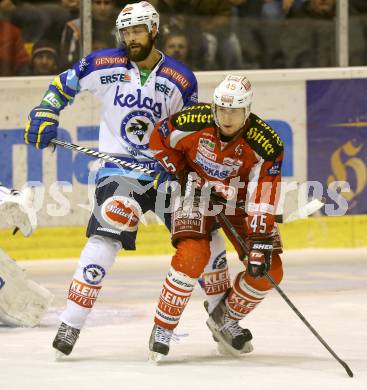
(263, 139)
(193, 118)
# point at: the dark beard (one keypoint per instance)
(143, 53)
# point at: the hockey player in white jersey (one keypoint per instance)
(22, 301)
(138, 86)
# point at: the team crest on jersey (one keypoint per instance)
(220, 261)
(207, 144)
(136, 129)
(93, 273)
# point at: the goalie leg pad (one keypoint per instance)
(22, 301)
(96, 259)
(16, 207)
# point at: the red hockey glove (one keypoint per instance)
(259, 257)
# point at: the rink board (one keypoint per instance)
(280, 97)
(67, 242)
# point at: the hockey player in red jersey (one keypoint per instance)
(240, 156)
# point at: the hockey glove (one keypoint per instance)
(41, 126)
(162, 176)
(259, 258)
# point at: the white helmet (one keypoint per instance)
(138, 13)
(233, 92)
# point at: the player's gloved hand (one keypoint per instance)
(161, 175)
(41, 126)
(259, 257)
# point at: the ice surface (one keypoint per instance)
(328, 287)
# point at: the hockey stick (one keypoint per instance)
(103, 156)
(285, 297)
(301, 212)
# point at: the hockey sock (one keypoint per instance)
(96, 258)
(176, 292)
(242, 298)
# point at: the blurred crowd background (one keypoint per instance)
(44, 37)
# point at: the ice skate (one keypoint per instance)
(65, 340)
(227, 332)
(159, 343)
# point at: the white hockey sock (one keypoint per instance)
(96, 258)
(215, 278)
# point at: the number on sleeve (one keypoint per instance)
(262, 223)
(170, 166)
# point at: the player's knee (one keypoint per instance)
(276, 272)
(96, 258)
(191, 256)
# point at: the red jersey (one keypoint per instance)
(248, 166)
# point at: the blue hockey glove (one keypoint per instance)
(163, 176)
(41, 126)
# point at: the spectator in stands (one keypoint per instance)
(28, 18)
(214, 17)
(14, 59)
(56, 16)
(316, 9)
(271, 9)
(278, 9)
(223, 45)
(7, 7)
(103, 29)
(176, 45)
(247, 8)
(173, 18)
(358, 6)
(44, 59)
(72, 6)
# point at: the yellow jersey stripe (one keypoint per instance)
(58, 85)
(40, 131)
(26, 130)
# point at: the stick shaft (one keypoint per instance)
(103, 156)
(138, 168)
(285, 297)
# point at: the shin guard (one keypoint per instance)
(176, 292)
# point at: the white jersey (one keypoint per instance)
(130, 109)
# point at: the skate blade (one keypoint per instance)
(223, 347)
(247, 348)
(155, 357)
(59, 356)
